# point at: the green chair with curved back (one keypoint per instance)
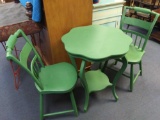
(58, 78)
(140, 31)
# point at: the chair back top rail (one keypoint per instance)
(142, 24)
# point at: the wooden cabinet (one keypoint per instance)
(61, 16)
(108, 12)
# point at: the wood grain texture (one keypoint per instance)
(61, 16)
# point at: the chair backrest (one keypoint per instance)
(138, 29)
(31, 64)
(150, 4)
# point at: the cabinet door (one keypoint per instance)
(61, 16)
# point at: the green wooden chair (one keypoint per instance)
(140, 31)
(52, 79)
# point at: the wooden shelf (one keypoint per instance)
(96, 80)
(156, 35)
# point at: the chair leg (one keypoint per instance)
(33, 39)
(74, 103)
(115, 63)
(114, 93)
(4, 45)
(103, 66)
(131, 77)
(41, 107)
(86, 101)
(140, 67)
(119, 73)
(16, 74)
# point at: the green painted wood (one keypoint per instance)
(96, 80)
(137, 48)
(96, 42)
(134, 55)
(51, 79)
(25, 54)
(57, 78)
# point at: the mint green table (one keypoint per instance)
(96, 43)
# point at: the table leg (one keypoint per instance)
(83, 80)
(119, 73)
(73, 61)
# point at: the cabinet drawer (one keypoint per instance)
(115, 21)
(102, 13)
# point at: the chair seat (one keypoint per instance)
(57, 78)
(134, 55)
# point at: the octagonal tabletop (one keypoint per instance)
(96, 42)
